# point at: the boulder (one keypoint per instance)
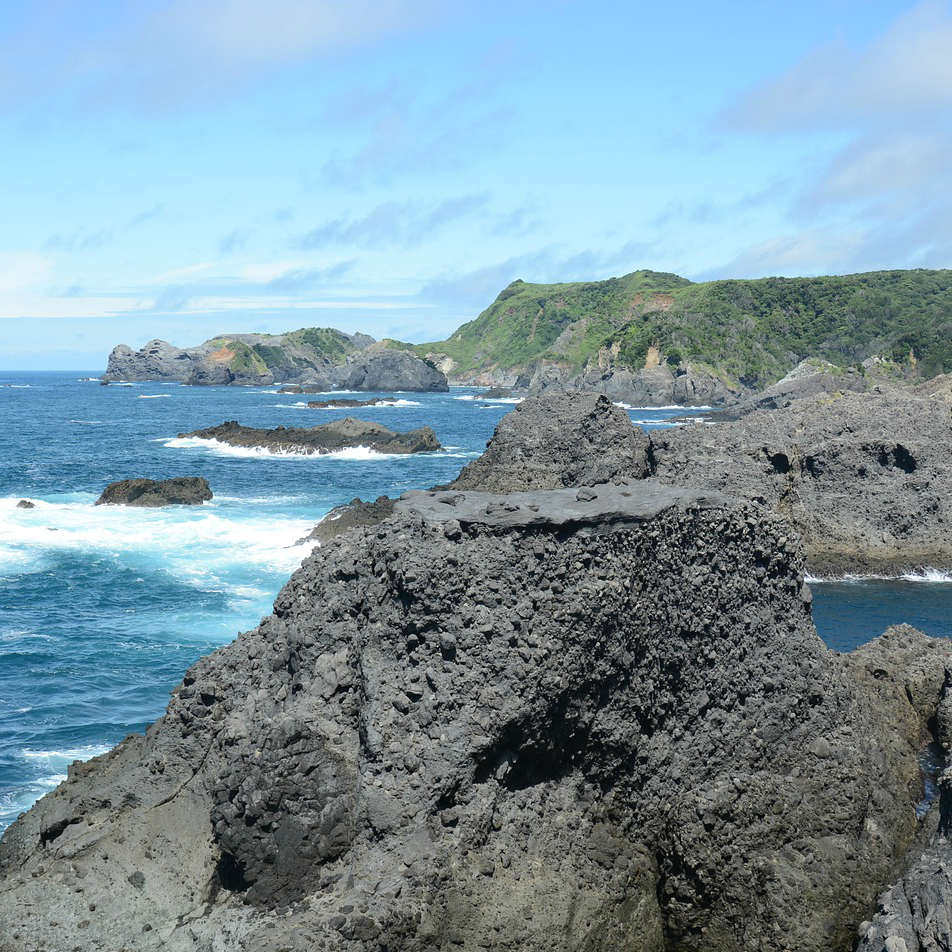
(345, 403)
(559, 438)
(585, 719)
(26, 504)
(348, 433)
(179, 491)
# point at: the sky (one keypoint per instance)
(195, 167)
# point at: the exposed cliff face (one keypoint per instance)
(864, 478)
(658, 386)
(318, 358)
(588, 719)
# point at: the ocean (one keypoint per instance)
(103, 608)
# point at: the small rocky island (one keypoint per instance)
(150, 493)
(345, 403)
(348, 433)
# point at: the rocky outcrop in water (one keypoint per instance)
(26, 504)
(559, 439)
(352, 515)
(315, 359)
(583, 718)
(150, 493)
(343, 403)
(864, 478)
(324, 438)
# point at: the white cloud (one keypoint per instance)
(21, 270)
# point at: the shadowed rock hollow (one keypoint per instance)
(585, 719)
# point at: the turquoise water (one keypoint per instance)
(103, 608)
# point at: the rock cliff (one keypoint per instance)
(582, 718)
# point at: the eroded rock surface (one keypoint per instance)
(180, 491)
(585, 719)
(324, 438)
(560, 438)
(864, 478)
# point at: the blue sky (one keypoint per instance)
(180, 169)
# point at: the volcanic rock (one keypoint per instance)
(552, 719)
(863, 478)
(179, 491)
(351, 515)
(392, 370)
(26, 504)
(556, 439)
(324, 438)
(339, 403)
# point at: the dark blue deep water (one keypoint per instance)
(103, 608)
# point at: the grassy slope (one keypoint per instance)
(754, 331)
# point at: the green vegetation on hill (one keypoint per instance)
(752, 330)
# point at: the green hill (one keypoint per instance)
(753, 330)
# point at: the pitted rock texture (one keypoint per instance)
(150, 493)
(864, 478)
(324, 438)
(497, 732)
(560, 438)
(384, 369)
(353, 514)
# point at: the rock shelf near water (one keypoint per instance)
(324, 438)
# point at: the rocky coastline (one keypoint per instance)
(572, 699)
(337, 435)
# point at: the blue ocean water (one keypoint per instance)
(103, 608)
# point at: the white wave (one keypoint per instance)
(88, 379)
(20, 386)
(927, 574)
(124, 383)
(66, 754)
(153, 396)
(89, 422)
(219, 448)
(199, 546)
(300, 405)
(374, 406)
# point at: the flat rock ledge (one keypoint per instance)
(605, 723)
(348, 433)
(151, 493)
(605, 505)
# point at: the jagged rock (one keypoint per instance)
(26, 504)
(864, 478)
(392, 370)
(324, 438)
(179, 491)
(552, 719)
(559, 439)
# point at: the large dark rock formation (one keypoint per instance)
(345, 403)
(179, 491)
(585, 719)
(559, 439)
(156, 361)
(863, 478)
(324, 438)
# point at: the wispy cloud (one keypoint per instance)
(394, 223)
(883, 197)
